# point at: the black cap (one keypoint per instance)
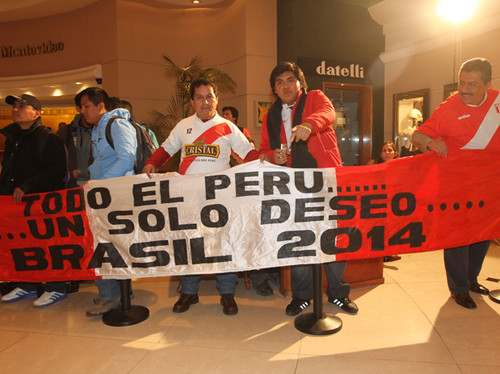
(24, 99)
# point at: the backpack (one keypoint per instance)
(145, 145)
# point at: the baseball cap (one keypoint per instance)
(24, 99)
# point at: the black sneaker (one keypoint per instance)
(296, 306)
(264, 289)
(344, 303)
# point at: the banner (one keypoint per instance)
(252, 216)
(45, 238)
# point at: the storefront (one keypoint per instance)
(423, 54)
(119, 45)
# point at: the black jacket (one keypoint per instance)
(77, 139)
(34, 160)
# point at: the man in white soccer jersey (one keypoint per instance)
(467, 120)
(204, 130)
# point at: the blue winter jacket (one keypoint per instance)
(117, 162)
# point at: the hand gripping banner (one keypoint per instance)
(253, 216)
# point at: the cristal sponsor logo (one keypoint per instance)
(31, 50)
(199, 148)
(464, 116)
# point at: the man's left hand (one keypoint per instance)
(301, 132)
(18, 195)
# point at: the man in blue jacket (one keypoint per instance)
(109, 162)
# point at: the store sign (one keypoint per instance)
(353, 71)
(329, 68)
(32, 50)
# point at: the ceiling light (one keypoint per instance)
(456, 11)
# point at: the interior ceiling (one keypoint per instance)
(15, 10)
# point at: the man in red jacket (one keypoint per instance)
(469, 119)
(297, 132)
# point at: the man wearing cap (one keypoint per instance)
(34, 161)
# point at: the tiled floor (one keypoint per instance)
(407, 325)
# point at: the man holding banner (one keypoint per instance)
(297, 132)
(205, 140)
(109, 162)
(34, 161)
(467, 120)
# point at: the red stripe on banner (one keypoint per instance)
(45, 238)
(211, 135)
(415, 204)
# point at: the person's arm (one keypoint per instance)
(52, 171)
(241, 146)
(428, 137)
(125, 145)
(156, 160)
(425, 143)
(322, 114)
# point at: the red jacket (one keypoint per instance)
(322, 143)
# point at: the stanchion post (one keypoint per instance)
(318, 323)
(126, 314)
(495, 296)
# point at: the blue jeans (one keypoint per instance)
(226, 283)
(463, 265)
(108, 288)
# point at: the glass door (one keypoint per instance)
(353, 106)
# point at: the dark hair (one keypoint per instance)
(78, 99)
(478, 64)
(393, 146)
(96, 96)
(126, 104)
(201, 82)
(114, 103)
(285, 66)
(234, 112)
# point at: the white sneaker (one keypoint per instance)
(17, 294)
(49, 298)
(102, 306)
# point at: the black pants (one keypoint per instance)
(49, 286)
(301, 277)
(463, 265)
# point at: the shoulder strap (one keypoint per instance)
(109, 138)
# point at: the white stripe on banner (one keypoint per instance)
(253, 215)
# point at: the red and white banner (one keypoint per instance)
(249, 217)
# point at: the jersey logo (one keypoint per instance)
(200, 148)
(188, 131)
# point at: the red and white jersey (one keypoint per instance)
(463, 126)
(206, 146)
